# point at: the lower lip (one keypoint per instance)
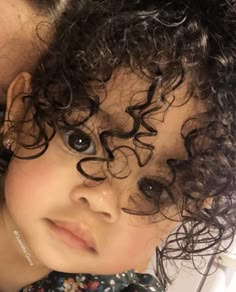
(69, 238)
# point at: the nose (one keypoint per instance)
(102, 199)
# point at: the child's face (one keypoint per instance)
(49, 190)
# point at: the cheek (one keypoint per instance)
(136, 246)
(133, 248)
(28, 184)
(140, 248)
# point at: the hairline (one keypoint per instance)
(55, 8)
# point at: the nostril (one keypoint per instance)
(84, 201)
(106, 215)
(102, 201)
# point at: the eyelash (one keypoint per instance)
(86, 144)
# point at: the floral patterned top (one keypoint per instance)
(125, 282)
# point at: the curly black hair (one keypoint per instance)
(167, 42)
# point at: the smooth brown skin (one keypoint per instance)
(20, 46)
(51, 187)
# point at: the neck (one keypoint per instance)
(18, 266)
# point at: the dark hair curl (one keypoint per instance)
(168, 42)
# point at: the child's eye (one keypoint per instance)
(150, 187)
(156, 192)
(79, 141)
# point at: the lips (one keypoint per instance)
(73, 235)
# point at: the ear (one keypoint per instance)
(20, 87)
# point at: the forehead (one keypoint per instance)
(172, 110)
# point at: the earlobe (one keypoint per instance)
(20, 87)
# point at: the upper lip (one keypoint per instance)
(77, 231)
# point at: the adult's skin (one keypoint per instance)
(21, 22)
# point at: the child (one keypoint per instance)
(122, 141)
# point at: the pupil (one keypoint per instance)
(150, 187)
(79, 141)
